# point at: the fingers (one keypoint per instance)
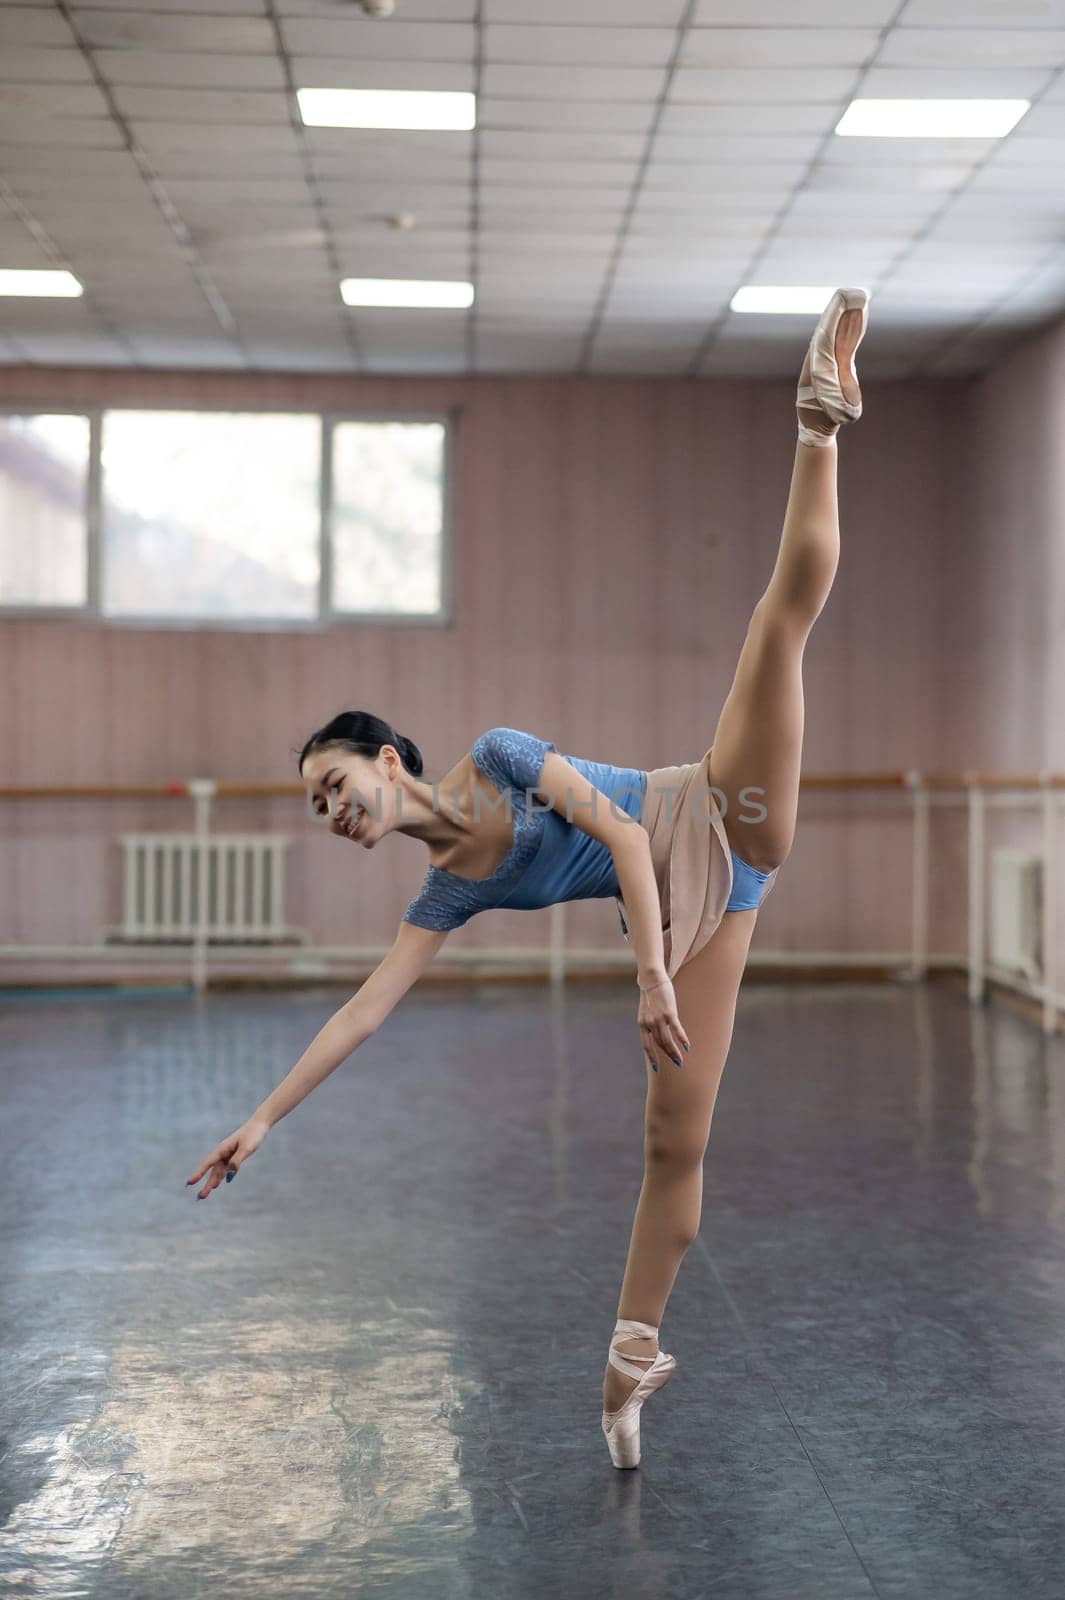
(672, 1039)
(198, 1174)
(223, 1162)
(213, 1181)
(669, 1045)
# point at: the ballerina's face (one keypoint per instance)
(359, 796)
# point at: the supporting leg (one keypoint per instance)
(678, 1113)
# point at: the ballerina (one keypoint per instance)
(516, 823)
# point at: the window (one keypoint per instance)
(44, 481)
(186, 517)
(387, 516)
(210, 514)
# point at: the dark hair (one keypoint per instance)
(363, 734)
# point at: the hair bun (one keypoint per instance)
(412, 756)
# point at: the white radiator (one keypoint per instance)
(1016, 911)
(245, 888)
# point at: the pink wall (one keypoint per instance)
(611, 539)
(1004, 650)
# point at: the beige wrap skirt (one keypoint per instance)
(691, 856)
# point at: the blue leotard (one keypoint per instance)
(551, 858)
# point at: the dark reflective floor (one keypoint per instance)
(371, 1366)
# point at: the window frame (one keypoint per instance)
(326, 617)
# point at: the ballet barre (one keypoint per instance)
(977, 790)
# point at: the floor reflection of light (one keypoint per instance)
(277, 1442)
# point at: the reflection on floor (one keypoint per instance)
(371, 1366)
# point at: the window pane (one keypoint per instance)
(388, 516)
(44, 476)
(210, 514)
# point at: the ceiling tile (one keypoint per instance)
(751, 85)
(561, 147)
(78, 350)
(413, 10)
(761, 149)
(1019, 179)
(387, 198)
(184, 350)
(189, 69)
(67, 163)
(499, 201)
(779, 47)
(597, 174)
(618, 360)
(350, 150)
(986, 13)
(223, 106)
(301, 354)
(43, 66)
(721, 177)
(359, 37)
(965, 83)
(612, 13)
(166, 138)
(572, 46)
(1020, 152)
(1045, 119)
(53, 100)
(597, 116)
(784, 118)
(68, 133)
(563, 83)
(816, 13)
(537, 352)
(249, 163)
(234, 192)
(22, 27)
(349, 72)
(121, 29)
(982, 47)
(563, 324)
(499, 250)
(915, 152)
(222, 8)
(900, 177)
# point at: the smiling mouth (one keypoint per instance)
(350, 827)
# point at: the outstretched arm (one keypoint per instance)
(346, 1030)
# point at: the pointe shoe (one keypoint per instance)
(824, 392)
(622, 1427)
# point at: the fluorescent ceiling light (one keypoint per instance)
(387, 108)
(61, 285)
(931, 119)
(405, 292)
(798, 301)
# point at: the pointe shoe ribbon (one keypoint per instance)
(824, 390)
(622, 1427)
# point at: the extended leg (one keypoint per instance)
(678, 1113)
(757, 745)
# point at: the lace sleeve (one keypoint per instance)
(511, 758)
(442, 903)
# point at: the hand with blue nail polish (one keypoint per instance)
(228, 1157)
(659, 1022)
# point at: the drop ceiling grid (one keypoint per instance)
(584, 186)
